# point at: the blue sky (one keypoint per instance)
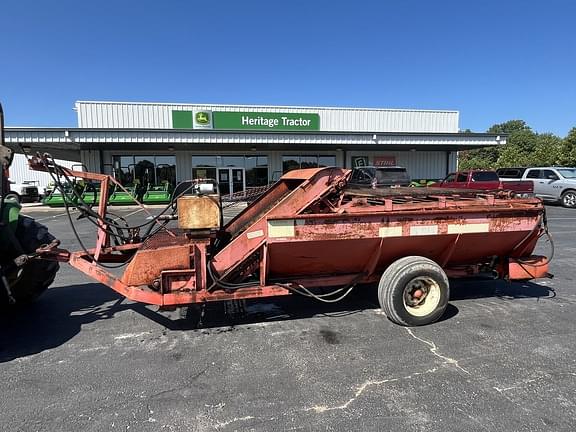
(491, 60)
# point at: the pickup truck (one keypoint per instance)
(26, 191)
(484, 180)
(378, 176)
(555, 184)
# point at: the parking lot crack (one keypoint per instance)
(434, 350)
(221, 425)
(473, 419)
(176, 389)
(362, 388)
(527, 382)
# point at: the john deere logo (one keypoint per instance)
(202, 118)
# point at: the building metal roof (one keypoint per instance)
(138, 115)
(121, 125)
(66, 143)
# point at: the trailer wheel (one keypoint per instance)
(413, 291)
(36, 275)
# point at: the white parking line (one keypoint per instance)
(51, 217)
(131, 214)
(64, 214)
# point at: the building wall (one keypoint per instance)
(158, 116)
(91, 160)
(20, 172)
(420, 164)
(184, 159)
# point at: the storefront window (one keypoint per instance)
(324, 161)
(123, 169)
(165, 169)
(147, 170)
(308, 162)
(204, 173)
(125, 161)
(290, 163)
(144, 169)
(204, 161)
(255, 168)
(232, 161)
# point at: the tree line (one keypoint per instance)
(524, 148)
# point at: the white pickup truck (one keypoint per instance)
(556, 184)
(26, 191)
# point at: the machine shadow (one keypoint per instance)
(60, 313)
(223, 315)
(295, 307)
(477, 288)
(55, 318)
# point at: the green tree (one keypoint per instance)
(568, 154)
(483, 158)
(519, 148)
(547, 151)
(509, 127)
(524, 147)
(491, 157)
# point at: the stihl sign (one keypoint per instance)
(384, 160)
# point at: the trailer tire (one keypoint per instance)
(414, 291)
(37, 274)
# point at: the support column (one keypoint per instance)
(91, 160)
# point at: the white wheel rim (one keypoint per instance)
(570, 199)
(427, 302)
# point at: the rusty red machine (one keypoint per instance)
(310, 232)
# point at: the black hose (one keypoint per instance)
(320, 297)
(91, 214)
(226, 285)
(58, 184)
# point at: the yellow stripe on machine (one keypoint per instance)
(468, 228)
(281, 228)
(419, 230)
(395, 231)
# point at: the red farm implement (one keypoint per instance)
(309, 231)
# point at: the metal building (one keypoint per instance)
(245, 145)
(20, 173)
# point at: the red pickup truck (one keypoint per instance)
(484, 180)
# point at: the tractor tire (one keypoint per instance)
(414, 291)
(569, 199)
(37, 274)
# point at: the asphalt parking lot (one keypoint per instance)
(503, 358)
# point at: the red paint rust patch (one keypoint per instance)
(147, 265)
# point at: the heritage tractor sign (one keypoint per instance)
(225, 120)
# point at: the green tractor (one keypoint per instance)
(139, 185)
(89, 192)
(128, 194)
(23, 277)
(422, 183)
(161, 192)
